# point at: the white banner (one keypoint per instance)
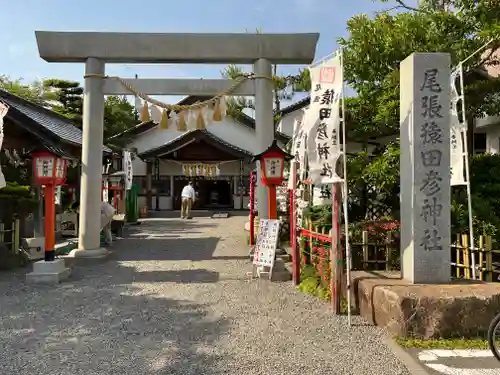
(323, 121)
(458, 130)
(322, 195)
(298, 150)
(127, 168)
(3, 111)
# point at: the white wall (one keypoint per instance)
(493, 140)
(285, 125)
(228, 130)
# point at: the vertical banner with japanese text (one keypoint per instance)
(458, 130)
(3, 112)
(298, 149)
(323, 120)
(127, 168)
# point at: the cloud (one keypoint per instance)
(16, 50)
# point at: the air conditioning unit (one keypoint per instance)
(35, 247)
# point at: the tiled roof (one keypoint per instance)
(194, 134)
(295, 106)
(56, 124)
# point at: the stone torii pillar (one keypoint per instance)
(95, 49)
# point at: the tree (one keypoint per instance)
(119, 115)
(298, 83)
(376, 46)
(32, 92)
(66, 98)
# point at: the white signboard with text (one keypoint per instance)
(267, 241)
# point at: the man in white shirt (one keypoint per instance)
(188, 196)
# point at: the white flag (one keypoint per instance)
(3, 112)
(297, 141)
(458, 131)
(127, 168)
(323, 121)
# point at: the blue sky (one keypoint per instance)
(19, 57)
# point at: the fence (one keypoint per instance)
(11, 236)
(315, 245)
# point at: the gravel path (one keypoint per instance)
(174, 299)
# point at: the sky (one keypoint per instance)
(20, 18)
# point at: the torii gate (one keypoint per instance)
(95, 49)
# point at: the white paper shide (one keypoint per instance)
(323, 120)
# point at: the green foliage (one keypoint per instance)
(119, 115)
(376, 46)
(16, 201)
(32, 92)
(65, 98)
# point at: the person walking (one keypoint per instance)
(188, 196)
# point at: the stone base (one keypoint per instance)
(95, 253)
(457, 309)
(280, 272)
(48, 272)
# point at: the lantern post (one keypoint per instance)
(272, 165)
(49, 171)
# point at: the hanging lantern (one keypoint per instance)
(164, 120)
(181, 125)
(200, 120)
(144, 112)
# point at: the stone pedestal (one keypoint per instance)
(48, 272)
(425, 168)
(96, 253)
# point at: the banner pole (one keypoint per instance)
(467, 176)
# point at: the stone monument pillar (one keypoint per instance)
(425, 168)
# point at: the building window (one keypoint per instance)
(140, 181)
(244, 187)
(162, 186)
(479, 143)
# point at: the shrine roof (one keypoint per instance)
(191, 136)
(42, 122)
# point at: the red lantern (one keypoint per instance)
(272, 167)
(49, 169)
(272, 164)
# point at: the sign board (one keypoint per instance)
(267, 241)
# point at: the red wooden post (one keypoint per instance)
(50, 222)
(336, 251)
(252, 203)
(271, 202)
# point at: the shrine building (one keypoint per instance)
(216, 158)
